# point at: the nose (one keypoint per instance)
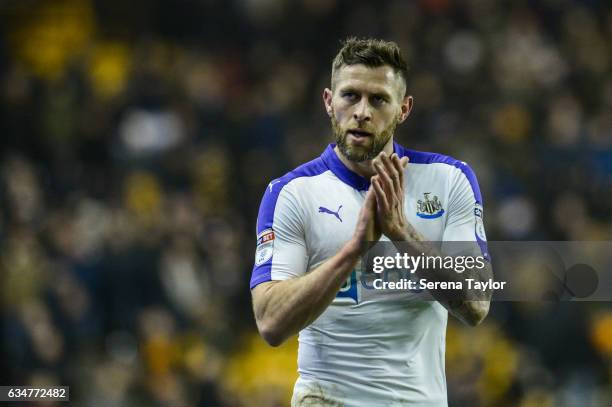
(362, 112)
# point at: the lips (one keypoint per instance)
(359, 133)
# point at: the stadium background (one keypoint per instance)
(138, 137)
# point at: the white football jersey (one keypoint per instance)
(366, 349)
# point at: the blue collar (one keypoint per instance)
(331, 160)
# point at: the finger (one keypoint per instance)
(369, 207)
(370, 200)
(369, 217)
(366, 217)
(379, 193)
(397, 163)
(381, 197)
(394, 174)
(404, 163)
(385, 180)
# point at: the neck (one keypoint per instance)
(363, 168)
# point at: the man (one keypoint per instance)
(356, 349)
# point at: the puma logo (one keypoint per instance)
(336, 213)
(271, 184)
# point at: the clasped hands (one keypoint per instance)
(385, 200)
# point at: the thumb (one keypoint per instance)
(404, 161)
(370, 199)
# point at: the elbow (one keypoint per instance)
(270, 333)
(474, 319)
(272, 338)
(476, 312)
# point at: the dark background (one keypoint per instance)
(138, 138)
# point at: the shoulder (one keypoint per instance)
(458, 170)
(303, 172)
(282, 195)
(425, 157)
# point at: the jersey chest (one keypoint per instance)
(332, 210)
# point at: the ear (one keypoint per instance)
(327, 100)
(405, 108)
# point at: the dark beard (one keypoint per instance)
(379, 142)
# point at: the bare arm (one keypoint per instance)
(472, 306)
(389, 186)
(283, 308)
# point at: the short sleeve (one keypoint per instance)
(465, 217)
(280, 251)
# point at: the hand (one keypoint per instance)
(367, 229)
(388, 185)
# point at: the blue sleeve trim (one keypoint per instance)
(261, 274)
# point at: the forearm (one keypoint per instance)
(283, 308)
(468, 304)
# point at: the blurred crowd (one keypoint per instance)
(138, 138)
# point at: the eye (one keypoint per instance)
(378, 100)
(350, 96)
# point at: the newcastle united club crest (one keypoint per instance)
(429, 208)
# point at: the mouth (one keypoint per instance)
(358, 133)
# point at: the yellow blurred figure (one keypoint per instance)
(143, 196)
(260, 372)
(512, 123)
(46, 40)
(483, 350)
(109, 65)
(601, 333)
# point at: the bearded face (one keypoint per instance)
(361, 143)
(365, 106)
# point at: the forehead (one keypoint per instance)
(381, 78)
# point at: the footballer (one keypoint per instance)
(355, 348)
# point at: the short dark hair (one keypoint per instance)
(371, 53)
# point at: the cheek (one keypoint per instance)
(341, 113)
(390, 116)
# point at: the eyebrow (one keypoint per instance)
(382, 93)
